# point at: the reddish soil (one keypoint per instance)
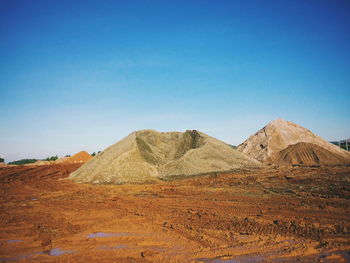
(80, 157)
(290, 215)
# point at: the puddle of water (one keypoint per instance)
(104, 234)
(113, 247)
(52, 252)
(344, 254)
(34, 199)
(58, 252)
(218, 260)
(255, 259)
(14, 241)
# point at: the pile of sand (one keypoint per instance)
(41, 162)
(80, 157)
(307, 154)
(146, 155)
(61, 159)
(266, 145)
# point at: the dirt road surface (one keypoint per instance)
(269, 215)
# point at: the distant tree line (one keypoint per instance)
(2, 160)
(52, 158)
(23, 161)
(26, 161)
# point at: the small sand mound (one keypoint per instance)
(41, 162)
(307, 154)
(80, 157)
(278, 135)
(61, 160)
(149, 155)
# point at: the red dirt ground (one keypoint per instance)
(290, 215)
(80, 157)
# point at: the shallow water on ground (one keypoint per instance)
(57, 252)
(52, 252)
(345, 255)
(112, 247)
(106, 234)
(253, 259)
(14, 241)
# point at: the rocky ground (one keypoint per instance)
(269, 215)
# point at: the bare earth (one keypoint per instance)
(307, 154)
(265, 215)
(277, 135)
(149, 156)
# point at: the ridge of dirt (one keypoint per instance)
(278, 135)
(80, 157)
(61, 159)
(307, 154)
(148, 155)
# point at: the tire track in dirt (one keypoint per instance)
(249, 226)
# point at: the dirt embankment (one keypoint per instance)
(80, 157)
(307, 154)
(268, 143)
(148, 155)
(270, 215)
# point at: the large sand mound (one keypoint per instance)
(146, 155)
(80, 157)
(307, 154)
(278, 135)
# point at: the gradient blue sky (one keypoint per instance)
(83, 74)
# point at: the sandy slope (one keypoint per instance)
(149, 155)
(307, 154)
(278, 135)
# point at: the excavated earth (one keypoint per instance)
(258, 215)
(307, 154)
(148, 155)
(80, 157)
(279, 134)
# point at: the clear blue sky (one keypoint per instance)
(83, 74)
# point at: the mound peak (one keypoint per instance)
(80, 157)
(278, 135)
(148, 155)
(278, 121)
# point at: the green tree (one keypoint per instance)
(2, 160)
(23, 161)
(52, 158)
(93, 154)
